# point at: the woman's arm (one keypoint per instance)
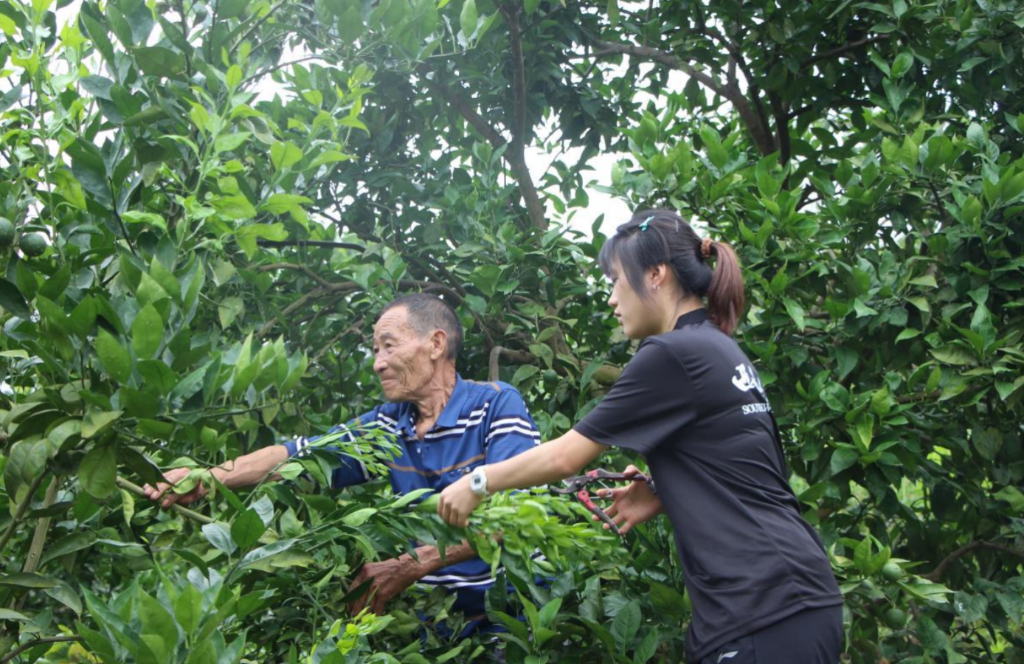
(544, 464)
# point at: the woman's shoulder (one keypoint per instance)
(694, 339)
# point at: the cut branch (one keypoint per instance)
(178, 509)
(760, 133)
(940, 569)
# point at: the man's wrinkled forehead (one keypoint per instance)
(394, 323)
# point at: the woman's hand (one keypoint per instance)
(631, 505)
(457, 502)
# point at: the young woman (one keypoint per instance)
(692, 404)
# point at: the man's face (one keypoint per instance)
(402, 359)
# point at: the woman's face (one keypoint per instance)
(636, 314)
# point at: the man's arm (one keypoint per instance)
(392, 577)
(247, 470)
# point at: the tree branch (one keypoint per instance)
(515, 356)
(760, 133)
(298, 268)
(940, 569)
(277, 244)
(37, 642)
(35, 549)
(22, 508)
(351, 286)
(841, 50)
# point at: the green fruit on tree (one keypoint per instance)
(33, 244)
(895, 618)
(6, 233)
(892, 572)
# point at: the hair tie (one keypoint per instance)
(705, 248)
(643, 226)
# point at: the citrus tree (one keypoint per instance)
(205, 204)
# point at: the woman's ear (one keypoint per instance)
(657, 276)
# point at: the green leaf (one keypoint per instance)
(234, 207)
(359, 517)
(902, 64)
(12, 301)
(281, 203)
(329, 157)
(468, 18)
(28, 580)
(247, 236)
(159, 61)
(626, 625)
(842, 459)
(98, 471)
(188, 609)
(970, 211)
(284, 154)
(988, 442)
(219, 535)
(229, 309)
(907, 333)
(1013, 496)
(229, 142)
(247, 529)
(256, 555)
(114, 357)
(795, 311)
(156, 621)
(952, 354)
(147, 332)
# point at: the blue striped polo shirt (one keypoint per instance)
(482, 423)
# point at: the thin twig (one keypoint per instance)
(277, 244)
(937, 573)
(37, 642)
(840, 50)
(22, 508)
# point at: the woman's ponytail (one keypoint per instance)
(725, 296)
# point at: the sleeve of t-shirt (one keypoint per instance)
(651, 400)
(350, 471)
(510, 429)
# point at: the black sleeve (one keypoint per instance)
(651, 401)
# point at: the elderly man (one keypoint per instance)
(444, 427)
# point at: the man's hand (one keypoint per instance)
(162, 492)
(631, 505)
(390, 578)
(457, 502)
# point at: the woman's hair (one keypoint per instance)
(655, 237)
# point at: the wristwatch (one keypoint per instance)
(478, 482)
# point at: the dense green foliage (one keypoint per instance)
(197, 268)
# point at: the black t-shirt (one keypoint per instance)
(691, 402)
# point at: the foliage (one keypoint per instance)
(214, 258)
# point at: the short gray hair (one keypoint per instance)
(428, 313)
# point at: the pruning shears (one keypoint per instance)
(579, 486)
